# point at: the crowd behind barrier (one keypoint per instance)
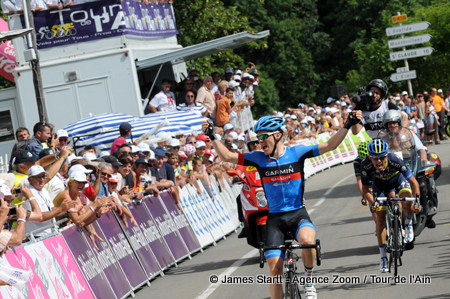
(68, 264)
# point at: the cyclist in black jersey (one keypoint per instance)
(390, 176)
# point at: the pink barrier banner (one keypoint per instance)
(55, 273)
(7, 55)
(181, 222)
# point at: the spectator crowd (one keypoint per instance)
(48, 181)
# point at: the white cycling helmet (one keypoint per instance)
(250, 137)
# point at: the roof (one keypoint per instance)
(207, 48)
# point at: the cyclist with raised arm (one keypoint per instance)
(362, 154)
(389, 175)
(281, 171)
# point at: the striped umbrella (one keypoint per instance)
(97, 124)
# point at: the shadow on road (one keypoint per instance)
(358, 251)
(347, 221)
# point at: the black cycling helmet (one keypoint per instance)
(381, 85)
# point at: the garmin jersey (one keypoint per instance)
(357, 165)
(373, 120)
(282, 179)
(394, 168)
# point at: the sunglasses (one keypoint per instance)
(378, 158)
(192, 142)
(264, 136)
(189, 96)
(104, 173)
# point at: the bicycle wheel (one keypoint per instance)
(292, 290)
(395, 248)
(287, 287)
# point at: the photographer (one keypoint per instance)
(8, 238)
(370, 101)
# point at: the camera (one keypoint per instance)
(363, 99)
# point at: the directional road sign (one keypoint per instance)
(396, 77)
(402, 69)
(408, 41)
(413, 53)
(391, 31)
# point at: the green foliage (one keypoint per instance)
(267, 95)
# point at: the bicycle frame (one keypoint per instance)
(292, 290)
(394, 236)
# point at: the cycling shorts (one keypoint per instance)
(280, 224)
(382, 188)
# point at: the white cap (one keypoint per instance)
(237, 77)
(334, 110)
(338, 102)
(103, 154)
(330, 100)
(161, 134)
(287, 116)
(251, 77)
(328, 109)
(343, 104)
(311, 109)
(238, 72)
(404, 93)
(280, 114)
(293, 116)
(62, 133)
(218, 137)
(234, 146)
(245, 75)
(144, 147)
(328, 116)
(200, 144)
(6, 191)
(72, 157)
(349, 110)
(135, 149)
(79, 168)
(152, 155)
(397, 98)
(255, 83)
(36, 170)
(228, 126)
(439, 91)
(304, 121)
(309, 118)
(211, 158)
(174, 142)
(90, 156)
(78, 176)
(232, 83)
(234, 135)
(241, 137)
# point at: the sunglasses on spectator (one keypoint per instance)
(192, 142)
(189, 96)
(264, 136)
(176, 147)
(104, 173)
(378, 158)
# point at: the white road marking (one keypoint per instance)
(213, 286)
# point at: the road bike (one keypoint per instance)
(394, 235)
(290, 275)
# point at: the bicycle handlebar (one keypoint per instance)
(411, 199)
(292, 246)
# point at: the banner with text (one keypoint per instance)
(100, 19)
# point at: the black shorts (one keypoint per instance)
(279, 224)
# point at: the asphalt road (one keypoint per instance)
(349, 250)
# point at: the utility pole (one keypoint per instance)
(35, 66)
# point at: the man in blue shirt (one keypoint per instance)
(42, 132)
(281, 172)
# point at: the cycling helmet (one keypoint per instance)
(362, 150)
(381, 85)
(250, 137)
(270, 123)
(392, 116)
(377, 147)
